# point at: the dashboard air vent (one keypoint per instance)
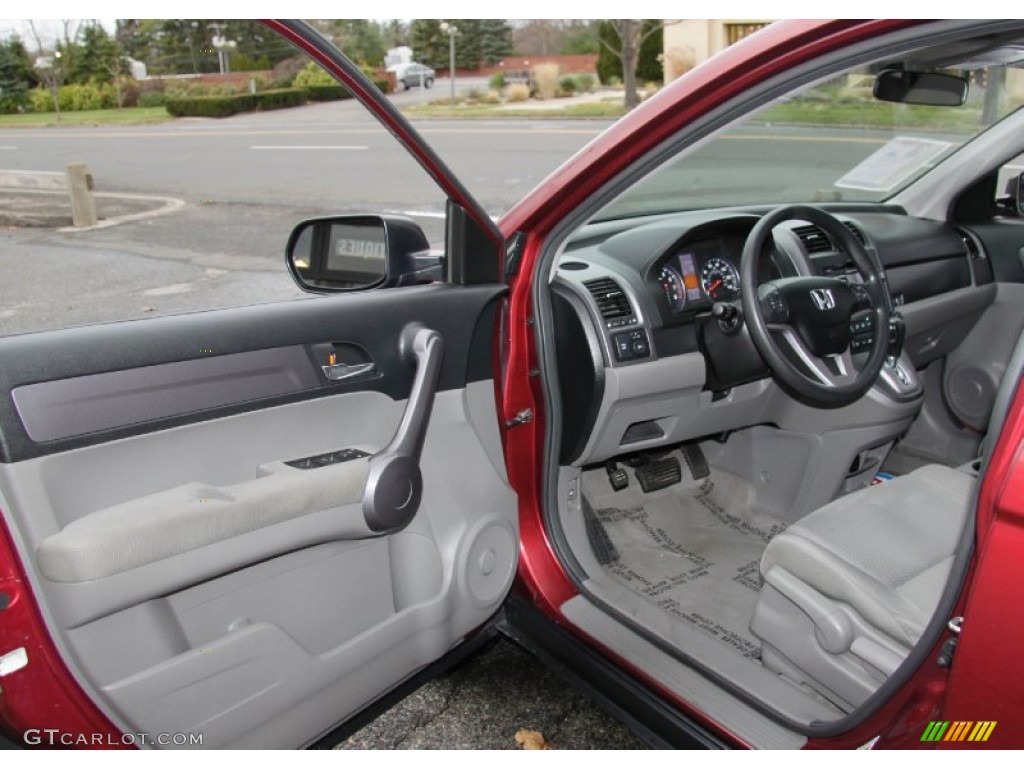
(612, 302)
(814, 239)
(856, 232)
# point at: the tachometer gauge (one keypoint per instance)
(673, 288)
(720, 279)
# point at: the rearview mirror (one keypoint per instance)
(353, 253)
(927, 88)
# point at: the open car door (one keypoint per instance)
(212, 538)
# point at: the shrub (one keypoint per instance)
(491, 97)
(39, 100)
(225, 106)
(545, 78)
(151, 99)
(130, 91)
(383, 84)
(209, 106)
(518, 92)
(279, 99)
(313, 74)
(567, 86)
(497, 81)
(585, 82)
(284, 72)
(327, 92)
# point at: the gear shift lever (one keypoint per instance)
(897, 335)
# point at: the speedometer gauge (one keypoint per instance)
(720, 279)
(673, 288)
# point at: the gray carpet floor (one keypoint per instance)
(692, 549)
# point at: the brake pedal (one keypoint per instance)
(695, 461)
(659, 473)
(617, 476)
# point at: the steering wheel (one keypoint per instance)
(801, 325)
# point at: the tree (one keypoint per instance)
(360, 39)
(97, 58)
(546, 37)
(495, 40)
(394, 33)
(580, 37)
(622, 41)
(15, 75)
(428, 43)
(52, 67)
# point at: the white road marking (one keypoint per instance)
(324, 146)
(9, 148)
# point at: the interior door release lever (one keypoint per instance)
(394, 485)
(342, 371)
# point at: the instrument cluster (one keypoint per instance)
(694, 275)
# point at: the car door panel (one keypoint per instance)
(195, 582)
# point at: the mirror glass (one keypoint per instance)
(340, 253)
(927, 88)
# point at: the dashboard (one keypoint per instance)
(635, 318)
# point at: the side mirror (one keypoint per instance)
(1013, 201)
(355, 253)
(929, 88)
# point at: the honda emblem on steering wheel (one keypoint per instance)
(823, 298)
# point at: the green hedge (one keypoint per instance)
(209, 106)
(282, 98)
(327, 92)
(225, 106)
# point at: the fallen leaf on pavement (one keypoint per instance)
(527, 739)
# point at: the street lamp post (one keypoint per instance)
(451, 30)
(223, 47)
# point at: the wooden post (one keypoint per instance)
(83, 206)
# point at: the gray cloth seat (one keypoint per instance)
(849, 589)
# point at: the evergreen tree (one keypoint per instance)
(495, 40)
(649, 67)
(467, 43)
(15, 75)
(97, 58)
(428, 44)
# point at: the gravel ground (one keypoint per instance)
(483, 703)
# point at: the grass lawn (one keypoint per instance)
(126, 116)
(872, 114)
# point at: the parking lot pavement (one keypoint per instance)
(484, 702)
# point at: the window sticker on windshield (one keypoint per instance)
(888, 166)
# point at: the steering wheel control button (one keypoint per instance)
(632, 345)
(773, 305)
(326, 459)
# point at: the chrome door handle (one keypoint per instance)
(341, 371)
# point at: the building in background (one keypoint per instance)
(688, 42)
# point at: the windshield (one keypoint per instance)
(830, 142)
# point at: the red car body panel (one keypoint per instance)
(42, 695)
(985, 682)
(45, 694)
